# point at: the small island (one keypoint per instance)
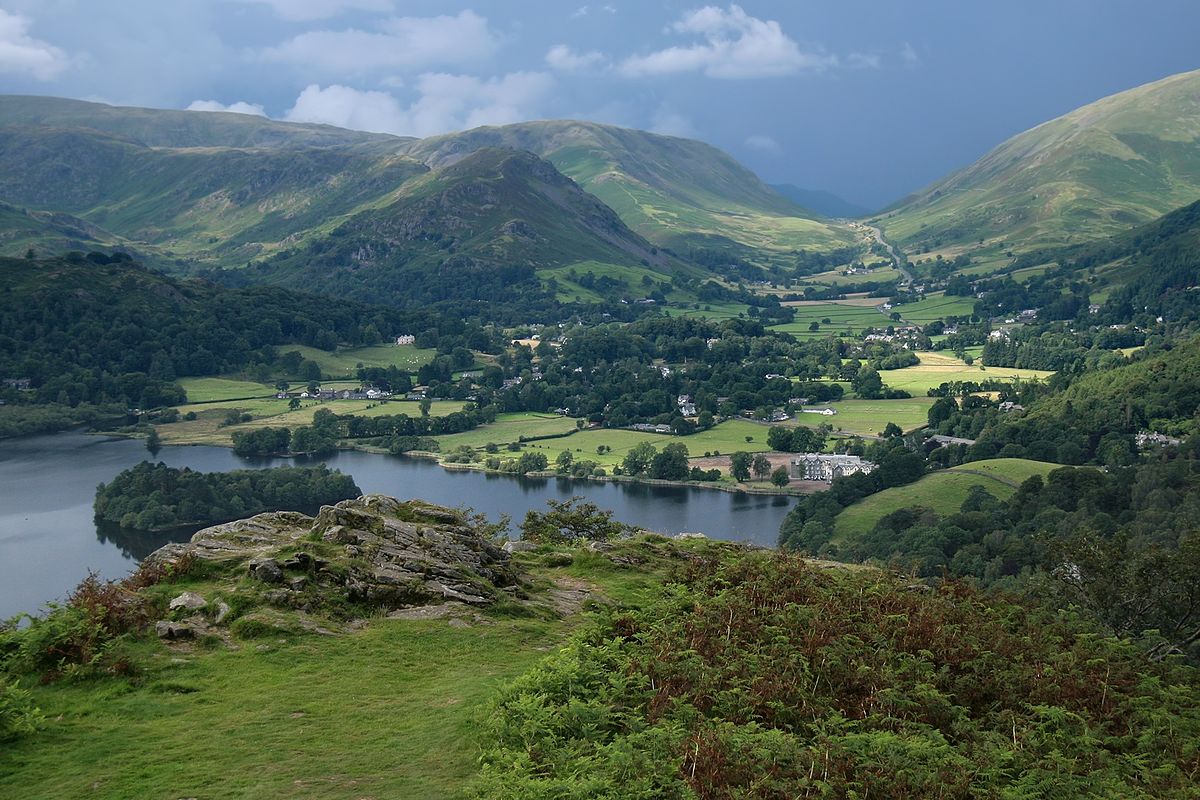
(154, 497)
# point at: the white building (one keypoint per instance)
(826, 467)
(825, 412)
(406, 338)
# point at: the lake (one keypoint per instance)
(49, 540)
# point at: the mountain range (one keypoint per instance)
(191, 190)
(517, 205)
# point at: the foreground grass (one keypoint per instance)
(385, 712)
(943, 492)
(388, 711)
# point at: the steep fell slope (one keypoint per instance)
(479, 228)
(676, 192)
(1098, 170)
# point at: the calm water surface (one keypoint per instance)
(49, 540)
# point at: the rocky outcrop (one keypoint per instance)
(372, 551)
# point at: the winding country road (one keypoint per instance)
(897, 262)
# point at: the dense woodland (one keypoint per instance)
(155, 496)
(124, 334)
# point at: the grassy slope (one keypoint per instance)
(343, 363)
(942, 491)
(386, 711)
(675, 192)
(207, 390)
(1098, 170)
(156, 127)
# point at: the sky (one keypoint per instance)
(868, 99)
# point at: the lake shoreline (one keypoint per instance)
(427, 455)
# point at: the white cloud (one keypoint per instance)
(20, 52)
(908, 55)
(397, 43)
(562, 57)
(735, 45)
(670, 123)
(582, 11)
(239, 107)
(863, 61)
(762, 142)
(445, 103)
(307, 10)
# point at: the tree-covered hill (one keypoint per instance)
(103, 329)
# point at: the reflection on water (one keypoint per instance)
(49, 539)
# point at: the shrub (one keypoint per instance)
(18, 715)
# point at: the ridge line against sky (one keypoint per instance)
(871, 100)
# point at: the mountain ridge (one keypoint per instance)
(1095, 171)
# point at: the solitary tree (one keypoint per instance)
(761, 466)
(780, 477)
(739, 466)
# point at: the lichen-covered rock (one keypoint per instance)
(189, 601)
(373, 550)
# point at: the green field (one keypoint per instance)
(884, 273)
(935, 307)
(716, 311)
(726, 438)
(508, 428)
(205, 390)
(870, 417)
(343, 363)
(844, 320)
(943, 491)
(944, 367)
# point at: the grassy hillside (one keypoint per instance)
(678, 193)
(477, 228)
(216, 190)
(215, 205)
(943, 492)
(156, 127)
(1100, 169)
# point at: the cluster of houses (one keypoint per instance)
(20, 384)
(827, 466)
(903, 335)
(370, 393)
(646, 427)
(686, 406)
(1150, 439)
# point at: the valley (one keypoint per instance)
(563, 459)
